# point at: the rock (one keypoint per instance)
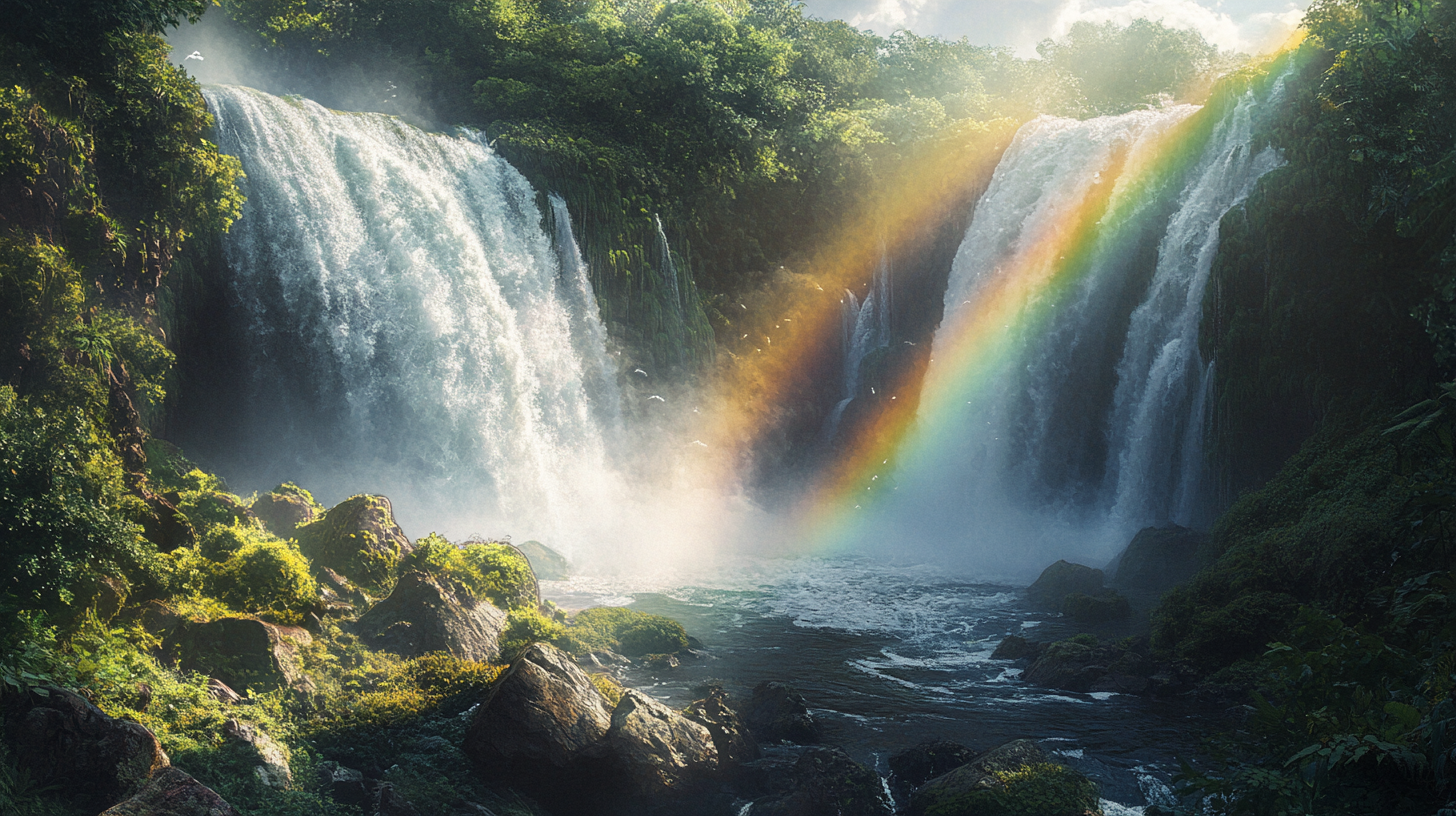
(656, 751)
(428, 614)
(271, 758)
(913, 767)
(1015, 647)
(730, 736)
(1038, 785)
(776, 712)
(171, 792)
(283, 510)
(1105, 606)
(59, 739)
(826, 782)
(1158, 559)
(344, 785)
(359, 539)
(241, 652)
(166, 526)
(543, 722)
(109, 597)
(345, 590)
(1060, 580)
(660, 662)
(1070, 665)
(155, 618)
(548, 564)
(389, 802)
(222, 692)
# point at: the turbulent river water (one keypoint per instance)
(888, 657)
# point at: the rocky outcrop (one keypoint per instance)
(283, 510)
(269, 759)
(826, 782)
(730, 735)
(1060, 580)
(165, 525)
(1158, 559)
(777, 713)
(1017, 777)
(59, 739)
(345, 785)
(915, 766)
(171, 792)
(1016, 647)
(548, 564)
(1103, 607)
(659, 753)
(359, 539)
(1083, 664)
(428, 614)
(243, 653)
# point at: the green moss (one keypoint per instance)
(488, 570)
(266, 577)
(526, 626)
(627, 631)
(357, 537)
(1043, 789)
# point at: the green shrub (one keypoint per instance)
(1044, 789)
(526, 626)
(266, 577)
(627, 631)
(487, 570)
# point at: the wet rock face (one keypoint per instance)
(915, 766)
(171, 792)
(730, 735)
(777, 712)
(826, 782)
(426, 614)
(241, 652)
(980, 787)
(359, 539)
(657, 751)
(1062, 579)
(60, 739)
(1158, 559)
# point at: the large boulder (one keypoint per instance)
(1017, 777)
(171, 792)
(359, 539)
(1060, 580)
(59, 739)
(269, 759)
(827, 782)
(241, 652)
(1070, 665)
(425, 613)
(548, 564)
(915, 766)
(656, 752)
(1158, 559)
(730, 735)
(777, 713)
(544, 723)
(284, 509)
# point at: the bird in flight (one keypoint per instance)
(197, 55)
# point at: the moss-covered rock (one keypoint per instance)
(622, 630)
(1060, 580)
(172, 792)
(548, 564)
(268, 577)
(285, 508)
(1103, 607)
(488, 570)
(359, 539)
(426, 614)
(777, 712)
(1015, 779)
(1158, 559)
(827, 782)
(915, 766)
(244, 653)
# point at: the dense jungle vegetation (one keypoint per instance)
(756, 133)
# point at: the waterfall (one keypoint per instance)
(863, 329)
(1065, 403)
(408, 325)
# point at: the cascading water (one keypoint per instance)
(863, 328)
(409, 325)
(1064, 404)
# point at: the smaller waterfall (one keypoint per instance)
(589, 336)
(863, 329)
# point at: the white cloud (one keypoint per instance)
(1254, 33)
(889, 15)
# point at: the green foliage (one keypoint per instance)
(525, 626)
(1119, 68)
(623, 630)
(488, 570)
(21, 796)
(267, 577)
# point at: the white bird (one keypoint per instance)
(639, 371)
(700, 443)
(659, 399)
(197, 55)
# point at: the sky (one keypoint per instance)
(1250, 26)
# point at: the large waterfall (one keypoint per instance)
(410, 326)
(1064, 406)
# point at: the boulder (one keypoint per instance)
(425, 613)
(543, 722)
(165, 525)
(269, 759)
(656, 752)
(1070, 665)
(1060, 580)
(1158, 559)
(171, 792)
(548, 564)
(283, 510)
(1103, 607)
(826, 782)
(222, 692)
(730, 736)
(1017, 777)
(915, 766)
(777, 712)
(155, 618)
(59, 739)
(345, 785)
(1016, 647)
(241, 652)
(359, 539)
